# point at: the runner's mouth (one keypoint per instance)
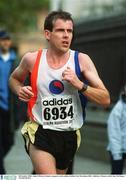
(65, 43)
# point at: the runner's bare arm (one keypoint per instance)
(96, 90)
(18, 76)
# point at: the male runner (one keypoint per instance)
(54, 106)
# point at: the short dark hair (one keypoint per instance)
(53, 16)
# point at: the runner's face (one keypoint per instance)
(61, 36)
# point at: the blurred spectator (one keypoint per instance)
(7, 123)
(117, 134)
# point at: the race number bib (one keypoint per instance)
(58, 111)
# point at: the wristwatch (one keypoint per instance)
(84, 88)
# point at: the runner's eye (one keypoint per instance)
(59, 30)
(70, 30)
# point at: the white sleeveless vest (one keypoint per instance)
(56, 104)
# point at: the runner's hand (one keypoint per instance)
(70, 76)
(25, 93)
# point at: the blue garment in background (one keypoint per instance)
(116, 127)
(5, 70)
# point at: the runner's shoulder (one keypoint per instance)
(84, 60)
(83, 56)
(30, 56)
(28, 60)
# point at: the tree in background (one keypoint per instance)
(20, 16)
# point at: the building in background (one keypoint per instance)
(89, 9)
(82, 10)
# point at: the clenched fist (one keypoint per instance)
(70, 76)
(25, 93)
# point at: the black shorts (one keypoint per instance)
(61, 144)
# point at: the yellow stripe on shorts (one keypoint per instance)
(78, 138)
(28, 131)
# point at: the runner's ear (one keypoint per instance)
(47, 34)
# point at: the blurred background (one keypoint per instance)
(100, 31)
